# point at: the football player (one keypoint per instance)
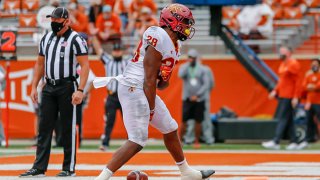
(151, 68)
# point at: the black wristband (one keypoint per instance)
(81, 90)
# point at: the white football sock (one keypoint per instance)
(105, 174)
(187, 173)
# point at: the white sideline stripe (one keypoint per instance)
(315, 152)
(308, 169)
(73, 135)
(150, 178)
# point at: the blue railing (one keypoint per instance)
(254, 55)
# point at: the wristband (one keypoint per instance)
(81, 90)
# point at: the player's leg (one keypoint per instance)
(163, 121)
(136, 120)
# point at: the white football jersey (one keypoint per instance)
(158, 38)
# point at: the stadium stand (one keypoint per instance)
(291, 26)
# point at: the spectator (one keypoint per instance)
(94, 11)
(55, 3)
(207, 128)
(80, 7)
(121, 8)
(146, 20)
(135, 11)
(136, 6)
(195, 89)
(287, 92)
(255, 22)
(2, 88)
(142, 22)
(109, 25)
(110, 3)
(79, 21)
(311, 85)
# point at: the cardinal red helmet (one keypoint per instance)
(178, 18)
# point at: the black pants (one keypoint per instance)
(312, 113)
(111, 107)
(57, 99)
(59, 125)
(284, 116)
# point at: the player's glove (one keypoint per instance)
(151, 114)
(165, 72)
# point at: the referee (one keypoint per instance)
(59, 52)
(114, 64)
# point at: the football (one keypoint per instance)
(137, 175)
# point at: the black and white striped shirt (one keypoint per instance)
(114, 68)
(60, 53)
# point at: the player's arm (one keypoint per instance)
(37, 75)
(152, 63)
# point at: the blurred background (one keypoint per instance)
(238, 40)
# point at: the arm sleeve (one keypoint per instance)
(205, 85)
(80, 46)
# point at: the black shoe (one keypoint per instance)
(207, 173)
(66, 173)
(33, 173)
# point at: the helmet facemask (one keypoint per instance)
(184, 28)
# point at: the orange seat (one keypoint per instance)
(12, 6)
(30, 5)
(27, 24)
(312, 3)
(292, 13)
(230, 12)
(289, 3)
(271, 2)
(28, 20)
(278, 12)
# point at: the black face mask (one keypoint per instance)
(56, 27)
(182, 37)
(119, 58)
(283, 56)
(193, 63)
(315, 68)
